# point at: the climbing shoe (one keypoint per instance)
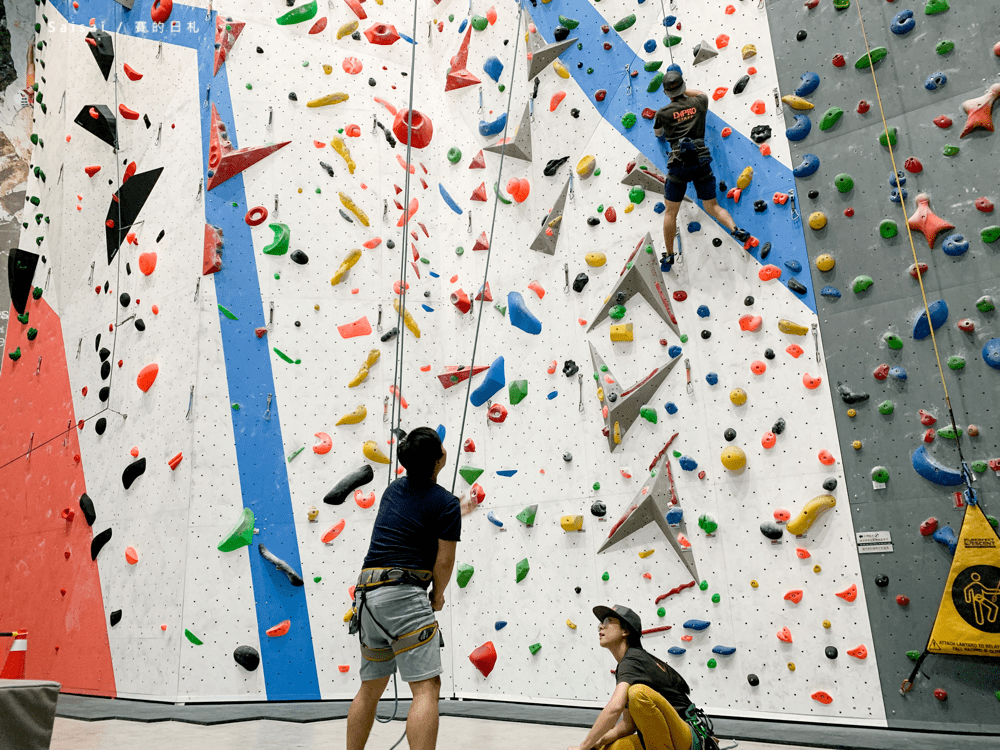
(740, 234)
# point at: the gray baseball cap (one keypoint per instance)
(623, 614)
(673, 83)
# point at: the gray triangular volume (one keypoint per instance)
(623, 406)
(642, 276)
(545, 241)
(520, 145)
(645, 175)
(543, 54)
(703, 52)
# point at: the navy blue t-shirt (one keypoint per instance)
(409, 523)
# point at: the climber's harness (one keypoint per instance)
(372, 578)
(690, 153)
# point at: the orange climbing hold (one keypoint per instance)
(750, 322)
(396, 394)
(352, 66)
(91, 171)
(131, 556)
(372, 243)
(785, 635)
(826, 458)
(333, 532)
(812, 382)
(146, 377)
(722, 41)
(858, 653)
(720, 92)
(518, 189)
(794, 596)
(757, 367)
(280, 629)
(850, 593)
(537, 289)
(794, 350)
(360, 327)
(782, 514)
(802, 553)
(556, 100)
(758, 107)
(410, 211)
(128, 114)
(769, 272)
(926, 221)
(132, 73)
(364, 501)
(822, 696)
(769, 440)
(147, 263)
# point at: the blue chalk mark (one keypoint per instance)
(493, 381)
(449, 200)
(671, 407)
(506, 472)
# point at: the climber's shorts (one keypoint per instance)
(401, 610)
(700, 175)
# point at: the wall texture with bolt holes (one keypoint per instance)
(854, 325)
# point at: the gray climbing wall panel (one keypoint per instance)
(853, 325)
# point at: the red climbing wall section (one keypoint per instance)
(56, 598)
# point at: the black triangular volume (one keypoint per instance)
(104, 126)
(132, 196)
(103, 49)
(21, 266)
(87, 506)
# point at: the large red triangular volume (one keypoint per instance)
(482, 243)
(479, 194)
(223, 162)
(479, 162)
(485, 293)
(459, 77)
(453, 375)
(226, 33)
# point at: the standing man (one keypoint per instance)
(682, 123)
(412, 548)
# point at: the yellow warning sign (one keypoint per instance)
(968, 620)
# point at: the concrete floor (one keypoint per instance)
(454, 733)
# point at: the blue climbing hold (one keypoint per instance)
(405, 38)
(793, 265)
(552, 395)
(675, 67)
(500, 624)
(898, 179)
(809, 82)
(688, 463)
(650, 45)
(676, 650)
(712, 378)
(935, 81)
(440, 431)
(830, 291)
(898, 193)
(696, 624)
(800, 129)
(493, 67)
(461, 28)
(703, 311)
(902, 23)
(724, 650)
(427, 308)
(660, 207)
(991, 353)
(675, 516)
(694, 226)
(955, 244)
(933, 470)
(808, 166)
(449, 200)
(939, 314)
(487, 129)
(434, 275)
(946, 536)
(494, 520)
(506, 472)
(897, 372)
(669, 21)
(674, 351)
(520, 316)
(671, 407)
(493, 381)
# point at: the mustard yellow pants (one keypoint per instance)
(661, 726)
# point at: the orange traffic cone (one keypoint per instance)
(13, 669)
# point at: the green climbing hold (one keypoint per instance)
(886, 407)
(32, 333)
(241, 534)
(671, 40)
(522, 569)
(625, 23)
(914, 655)
(501, 88)
(716, 598)
(870, 58)
(956, 362)
(628, 121)
(652, 65)
(569, 23)
(661, 612)
(534, 648)
(830, 118)
(479, 23)
(317, 579)
(684, 338)
(37, 291)
(596, 486)
(944, 46)
(984, 304)
(677, 454)
(279, 246)
(979, 466)
(249, 87)
(950, 150)
(470, 473)
(841, 4)
(990, 234)
(880, 474)
(861, 283)
(227, 313)
(465, 572)
(459, 250)
(992, 520)
(600, 209)
(894, 341)
(888, 229)
(23, 317)
(703, 585)
(950, 433)
(637, 195)
(15, 355)
(844, 182)
(648, 413)
(192, 637)
(527, 516)
(707, 524)
(454, 155)
(518, 391)
(285, 357)
(888, 137)
(590, 71)
(934, 7)
(617, 312)
(712, 663)
(496, 189)
(299, 15)
(606, 576)
(654, 83)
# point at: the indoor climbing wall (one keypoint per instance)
(937, 66)
(260, 384)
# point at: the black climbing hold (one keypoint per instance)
(580, 282)
(133, 471)
(593, 221)
(160, 235)
(101, 424)
(553, 165)
(567, 456)
(298, 324)
(125, 206)
(21, 266)
(578, 589)
(534, 93)
(814, 194)
(390, 334)
(292, 95)
(103, 126)
(748, 300)
(759, 205)
(124, 298)
(128, 269)
(722, 186)
(87, 506)
(327, 167)
(848, 396)
(357, 478)
(103, 50)
(769, 354)
(104, 394)
(612, 397)
(344, 215)
(293, 577)
(140, 325)
(753, 679)
(716, 242)
(260, 51)
(801, 35)
(797, 286)
(760, 133)
(771, 530)
(729, 434)
(831, 652)
(741, 84)
(98, 542)
(505, 42)
(560, 33)
(390, 244)
(778, 427)
(104, 353)
(427, 293)
(598, 509)
(356, 36)
(570, 368)
(706, 334)
(371, 81)
(105, 371)
(106, 287)
(299, 257)
(145, 119)
(247, 657)
(620, 298)
(574, 112)
(830, 484)
(765, 250)
(881, 580)
(116, 617)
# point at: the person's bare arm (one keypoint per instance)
(443, 567)
(608, 718)
(694, 92)
(624, 728)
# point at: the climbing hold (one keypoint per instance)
(822, 696)
(902, 23)
(830, 118)
(520, 316)
(571, 523)
(281, 565)
(464, 575)
(809, 513)
(738, 396)
(347, 485)
(733, 458)
(849, 594)
(811, 382)
(935, 81)
(979, 111)
(938, 315)
(800, 129)
(869, 59)
(522, 570)
(492, 382)
(484, 658)
(373, 453)
(861, 283)
(808, 166)
(946, 537)
(817, 220)
(785, 635)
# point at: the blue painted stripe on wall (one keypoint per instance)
(730, 155)
(289, 661)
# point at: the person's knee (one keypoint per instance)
(640, 695)
(430, 688)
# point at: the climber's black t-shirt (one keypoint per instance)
(682, 118)
(639, 667)
(409, 523)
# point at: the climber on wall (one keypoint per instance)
(682, 124)
(412, 548)
(651, 698)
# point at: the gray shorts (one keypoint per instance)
(400, 610)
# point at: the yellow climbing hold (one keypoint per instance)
(791, 666)
(629, 208)
(571, 624)
(408, 319)
(754, 584)
(797, 102)
(816, 569)
(353, 207)
(586, 166)
(352, 257)
(734, 458)
(372, 452)
(341, 148)
(596, 259)
(825, 262)
(328, 69)
(347, 29)
(827, 624)
(354, 417)
(621, 332)
(600, 394)
(852, 413)
(646, 553)
(335, 98)
(571, 523)
(362, 375)
(748, 51)
(856, 445)
(561, 70)
(738, 396)
(809, 513)
(796, 329)
(745, 178)
(817, 220)
(618, 434)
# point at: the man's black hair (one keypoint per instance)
(418, 451)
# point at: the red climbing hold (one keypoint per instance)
(769, 440)
(147, 263)
(822, 696)
(485, 294)
(479, 194)
(983, 204)
(146, 377)
(802, 553)
(648, 113)
(941, 694)
(794, 350)
(352, 65)
(838, 60)
(918, 269)
(810, 4)
(913, 165)
(780, 199)
(484, 658)
(881, 372)
(966, 325)
(128, 114)
(825, 457)
(750, 322)
(926, 418)
(930, 435)
(91, 171)
(497, 413)
(280, 629)
(419, 124)
(556, 100)
(610, 215)
(600, 94)
(360, 327)
(256, 216)
(720, 92)
(469, 446)
(863, 106)
(317, 27)
(902, 600)
(730, 9)
(924, 220)
(858, 653)
(333, 532)
(355, 5)
(722, 41)
(785, 635)
(160, 11)
(537, 289)
(794, 596)
(478, 161)
(757, 367)
(680, 295)
(518, 189)
(726, 132)
(483, 243)
(769, 272)
(929, 526)
(132, 73)
(942, 121)
(758, 107)
(850, 593)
